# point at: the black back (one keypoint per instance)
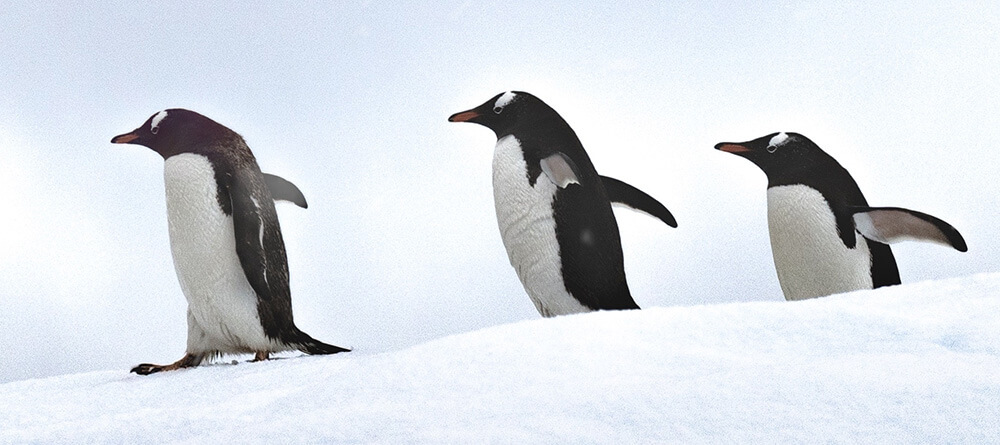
(586, 230)
(798, 160)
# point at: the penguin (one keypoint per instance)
(225, 240)
(825, 238)
(554, 210)
(283, 190)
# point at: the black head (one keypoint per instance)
(174, 131)
(780, 155)
(505, 111)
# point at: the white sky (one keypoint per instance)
(400, 244)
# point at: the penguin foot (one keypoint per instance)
(260, 356)
(189, 360)
(147, 369)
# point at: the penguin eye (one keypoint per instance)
(154, 122)
(777, 141)
(498, 110)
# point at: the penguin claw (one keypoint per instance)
(147, 369)
(187, 361)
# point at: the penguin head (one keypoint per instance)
(173, 131)
(504, 111)
(778, 154)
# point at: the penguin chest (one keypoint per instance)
(222, 306)
(809, 255)
(528, 229)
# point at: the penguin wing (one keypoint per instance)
(284, 190)
(622, 193)
(889, 225)
(560, 169)
(258, 240)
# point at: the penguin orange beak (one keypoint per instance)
(124, 138)
(731, 148)
(464, 116)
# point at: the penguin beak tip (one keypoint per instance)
(126, 138)
(731, 148)
(464, 116)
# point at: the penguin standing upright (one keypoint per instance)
(554, 210)
(825, 239)
(226, 243)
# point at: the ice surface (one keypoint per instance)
(905, 364)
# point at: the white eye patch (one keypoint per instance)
(777, 141)
(154, 125)
(502, 102)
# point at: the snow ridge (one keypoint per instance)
(904, 364)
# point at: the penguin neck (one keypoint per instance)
(217, 164)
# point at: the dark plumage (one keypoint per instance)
(586, 239)
(242, 194)
(792, 160)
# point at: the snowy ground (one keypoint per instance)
(909, 364)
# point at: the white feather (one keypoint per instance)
(222, 306)
(504, 99)
(156, 120)
(260, 230)
(809, 255)
(524, 215)
(778, 140)
(557, 169)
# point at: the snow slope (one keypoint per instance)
(908, 364)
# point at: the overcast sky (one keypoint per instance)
(400, 245)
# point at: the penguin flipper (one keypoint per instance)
(622, 193)
(560, 169)
(262, 252)
(889, 225)
(283, 190)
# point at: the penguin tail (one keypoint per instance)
(312, 346)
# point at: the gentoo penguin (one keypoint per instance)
(554, 210)
(825, 239)
(225, 240)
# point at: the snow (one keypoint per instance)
(906, 364)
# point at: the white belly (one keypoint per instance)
(222, 307)
(809, 256)
(524, 215)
